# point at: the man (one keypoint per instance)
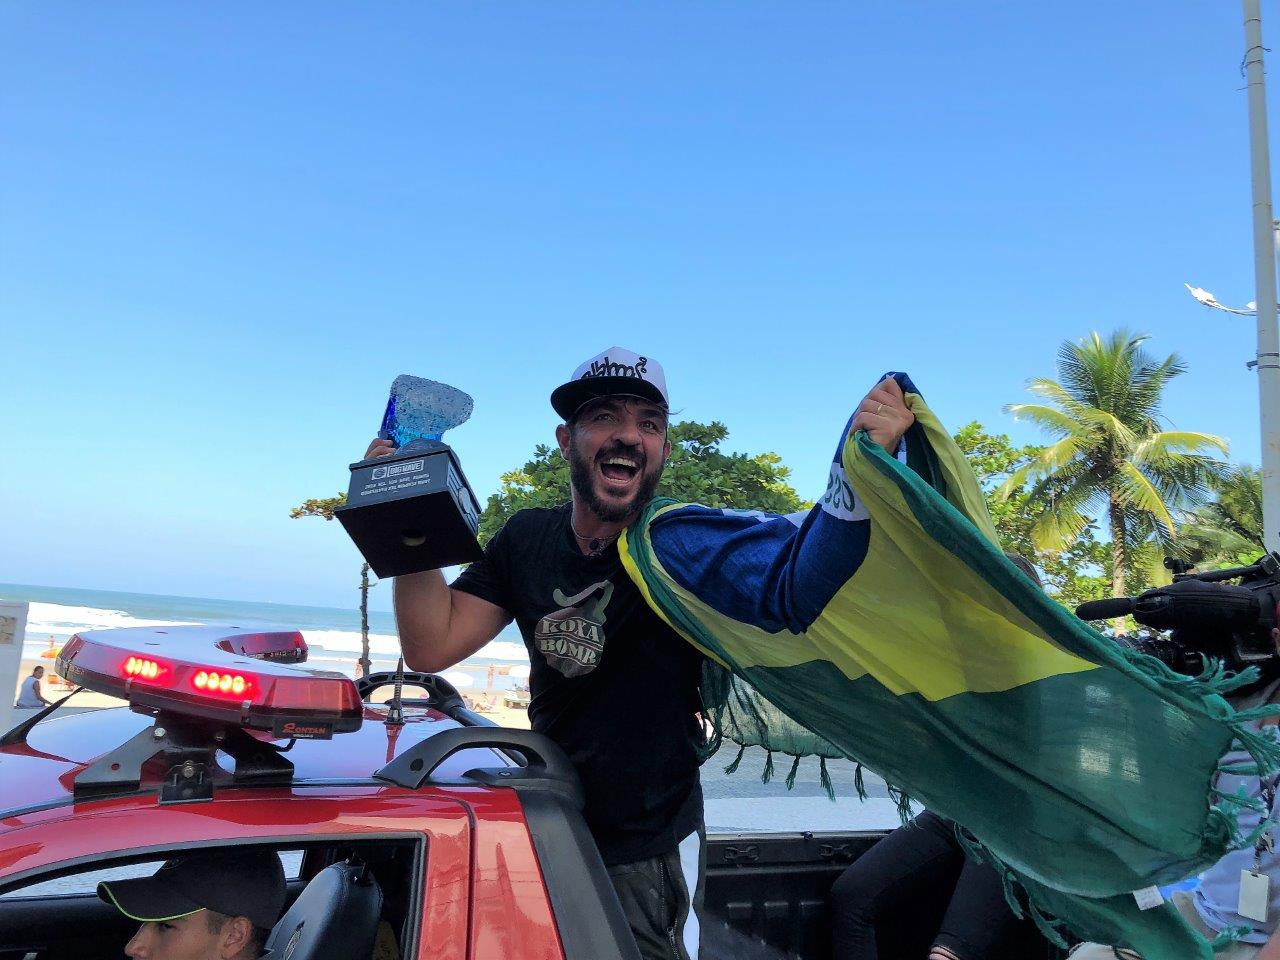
(31, 696)
(215, 905)
(611, 683)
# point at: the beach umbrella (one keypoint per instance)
(520, 671)
(458, 678)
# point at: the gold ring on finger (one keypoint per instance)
(880, 410)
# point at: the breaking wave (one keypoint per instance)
(57, 622)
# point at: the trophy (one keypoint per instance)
(413, 510)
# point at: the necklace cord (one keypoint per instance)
(595, 544)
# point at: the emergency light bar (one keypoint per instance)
(236, 676)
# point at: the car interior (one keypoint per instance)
(357, 900)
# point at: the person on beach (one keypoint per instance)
(31, 696)
(611, 683)
(214, 905)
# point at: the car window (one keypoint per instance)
(60, 915)
(740, 802)
(87, 881)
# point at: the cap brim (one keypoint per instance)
(146, 900)
(568, 397)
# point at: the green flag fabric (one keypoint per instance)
(887, 626)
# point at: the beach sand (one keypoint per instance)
(508, 717)
(54, 689)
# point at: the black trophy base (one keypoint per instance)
(412, 511)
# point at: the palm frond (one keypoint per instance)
(1054, 392)
(1109, 425)
(1057, 455)
(1093, 368)
(1202, 538)
(1053, 421)
(1057, 530)
(1149, 382)
(1066, 502)
(1238, 507)
(1057, 463)
(1176, 441)
(1137, 492)
(1075, 482)
(1185, 480)
(1016, 480)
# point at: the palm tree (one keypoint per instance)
(1111, 458)
(1227, 531)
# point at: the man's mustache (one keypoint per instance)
(622, 450)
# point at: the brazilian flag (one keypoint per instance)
(888, 624)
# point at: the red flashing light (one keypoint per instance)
(225, 684)
(140, 668)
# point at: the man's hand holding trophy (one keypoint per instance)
(409, 507)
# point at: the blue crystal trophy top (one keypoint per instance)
(414, 510)
(422, 410)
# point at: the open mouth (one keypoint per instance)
(619, 470)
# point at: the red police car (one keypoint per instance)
(409, 829)
(412, 828)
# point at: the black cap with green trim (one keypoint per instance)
(237, 883)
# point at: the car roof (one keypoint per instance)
(41, 770)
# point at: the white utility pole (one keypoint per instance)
(1264, 268)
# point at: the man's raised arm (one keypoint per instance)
(440, 626)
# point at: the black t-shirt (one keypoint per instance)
(610, 682)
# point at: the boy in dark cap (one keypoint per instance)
(215, 905)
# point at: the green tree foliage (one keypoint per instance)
(1110, 458)
(1228, 531)
(698, 472)
(322, 507)
(1072, 574)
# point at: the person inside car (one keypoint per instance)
(214, 905)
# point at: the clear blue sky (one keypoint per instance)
(225, 228)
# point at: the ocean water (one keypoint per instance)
(737, 803)
(332, 633)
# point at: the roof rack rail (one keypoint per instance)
(544, 765)
(441, 694)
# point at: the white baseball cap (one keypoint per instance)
(615, 371)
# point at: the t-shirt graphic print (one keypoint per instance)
(571, 639)
(611, 683)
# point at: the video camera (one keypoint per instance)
(1206, 617)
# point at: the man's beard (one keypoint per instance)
(582, 476)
